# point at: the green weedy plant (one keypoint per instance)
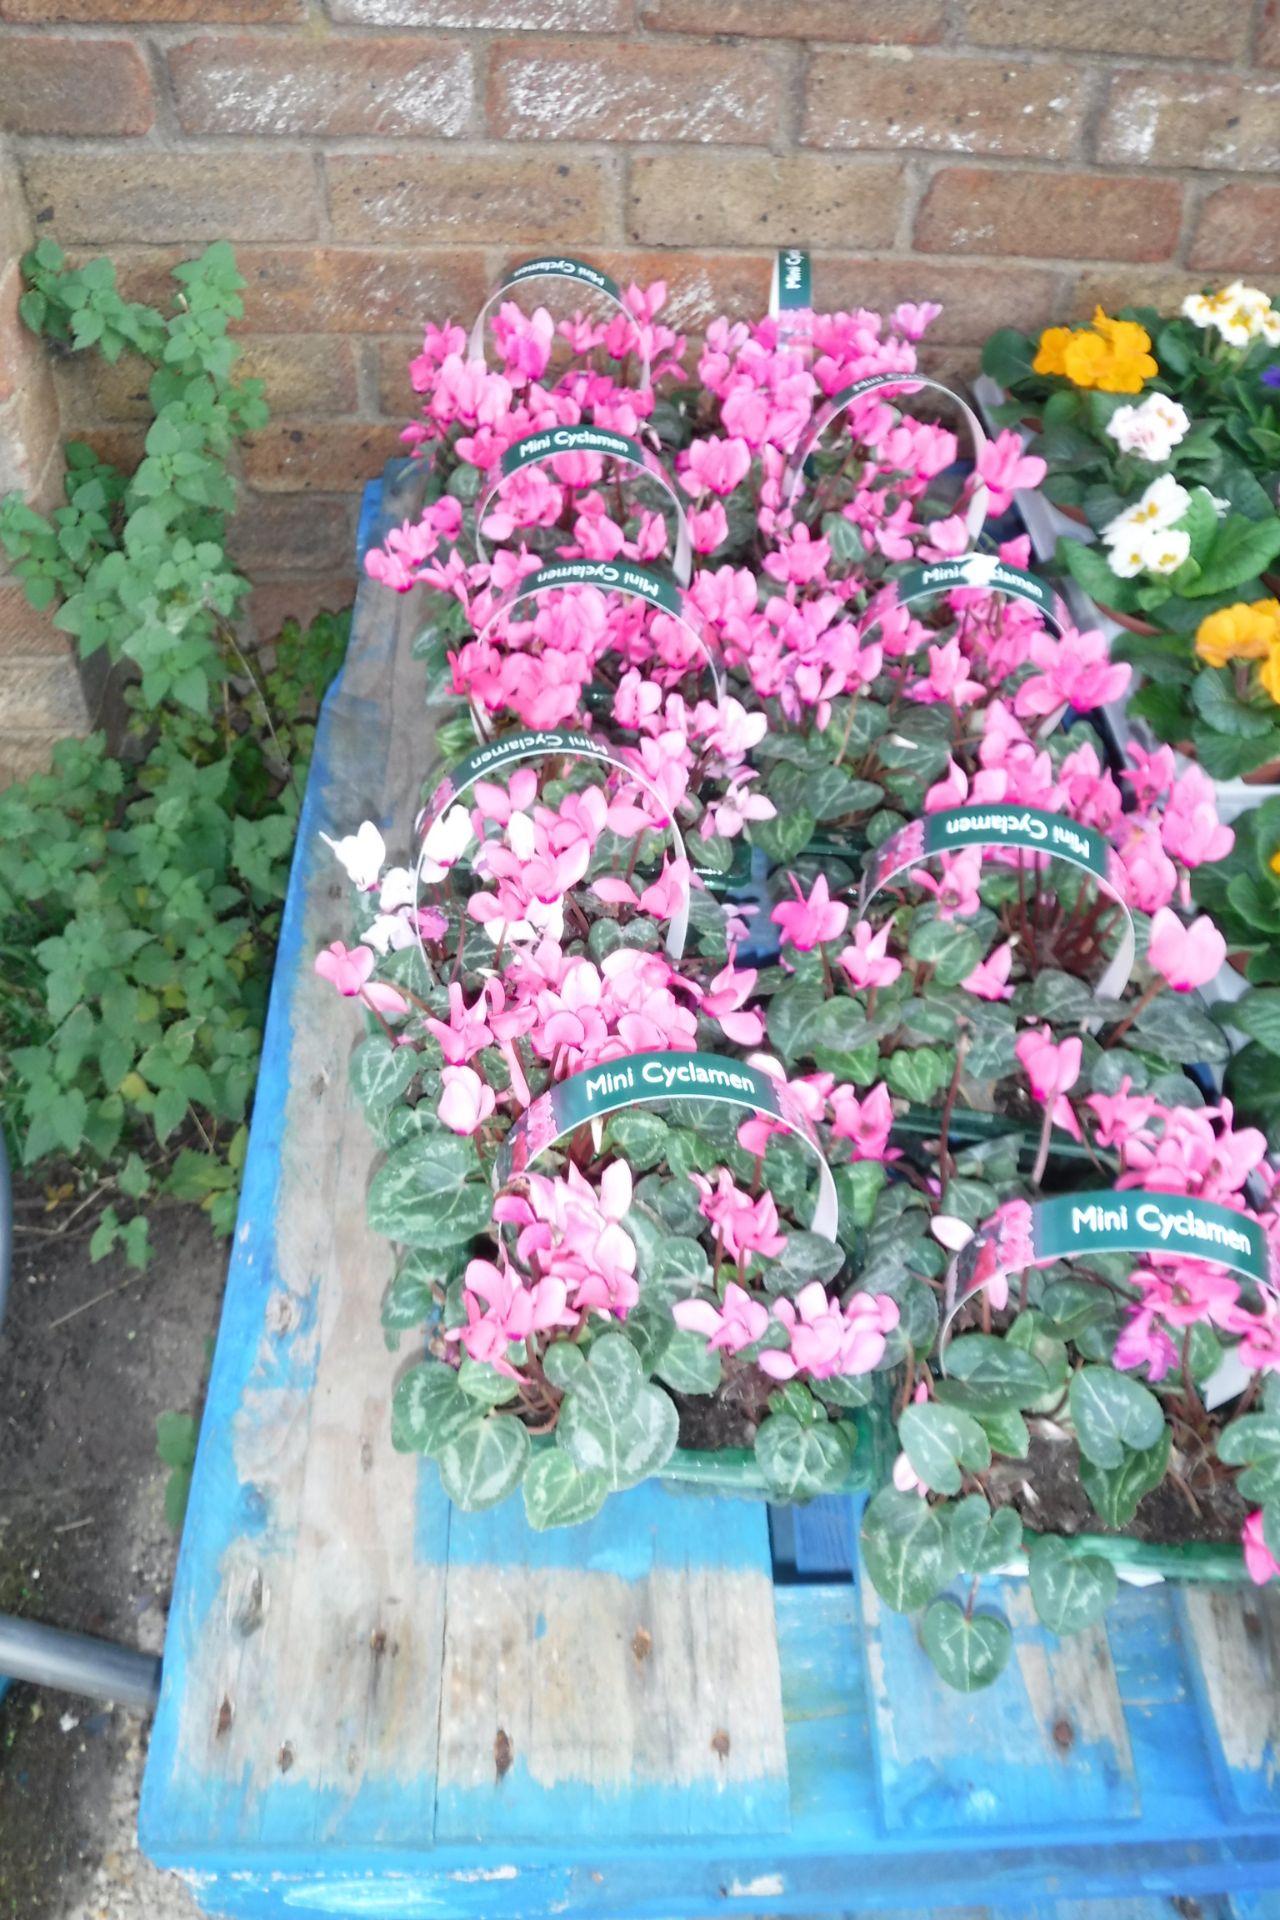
(140, 895)
(139, 562)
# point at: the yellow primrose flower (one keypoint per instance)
(1269, 671)
(1051, 355)
(1246, 631)
(1274, 863)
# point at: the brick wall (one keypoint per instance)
(376, 161)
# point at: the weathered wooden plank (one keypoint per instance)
(1233, 1639)
(625, 1673)
(303, 1658)
(1046, 1745)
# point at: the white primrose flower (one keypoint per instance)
(361, 854)
(1239, 313)
(1165, 549)
(1163, 503)
(1151, 430)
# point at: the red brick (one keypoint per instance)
(255, 84)
(1163, 118)
(152, 196)
(1053, 216)
(1267, 51)
(897, 22)
(728, 199)
(326, 458)
(642, 90)
(974, 300)
(1176, 29)
(942, 105)
(51, 84)
(293, 533)
(346, 290)
(494, 16)
(138, 13)
(272, 602)
(1238, 229)
(24, 633)
(465, 199)
(1163, 288)
(304, 374)
(22, 754)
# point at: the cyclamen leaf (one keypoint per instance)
(558, 1494)
(1070, 1590)
(625, 1446)
(1115, 1492)
(939, 1441)
(430, 1193)
(785, 836)
(380, 1072)
(907, 1549)
(1004, 1374)
(1112, 1412)
(984, 1541)
(968, 1653)
(687, 1366)
(799, 1461)
(427, 1408)
(484, 1461)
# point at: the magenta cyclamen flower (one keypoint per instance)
(808, 923)
(1260, 1563)
(1052, 1070)
(513, 1312)
(349, 968)
(1076, 671)
(1186, 956)
(746, 1227)
(867, 961)
(740, 1324)
(826, 1341)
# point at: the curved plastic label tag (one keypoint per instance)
(985, 574)
(1029, 828)
(537, 447)
(553, 267)
(488, 760)
(790, 291)
(976, 512)
(639, 1077)
(1106, 1220)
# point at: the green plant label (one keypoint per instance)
(1107, 1220)
(792, 288)
(984, 572)
(840, 402)
(661, 590)
(492, 757)
(641, 1077)
(549, 266)
(1028, 828)
(537, 447)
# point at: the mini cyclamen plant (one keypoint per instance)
(648, 1247)
(1077, 1400)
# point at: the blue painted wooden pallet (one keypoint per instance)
(373, 1705)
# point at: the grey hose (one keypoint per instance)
(46, 1655)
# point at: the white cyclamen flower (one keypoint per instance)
(361, 853)
(446, 842)
(398, 889)
(388, 933)
(1151, 430)
(1163, 503)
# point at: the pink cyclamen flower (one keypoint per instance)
(808, 923)
(513, 1312)
(740, 1323)
(715, 466)
(867, 961)
(1051, 1069)
(990, 978)
(1186, 956)
(467, 1100)
(745, 1226)
(1005, 467)
(1260, 1563)
(1075, 671)
(825, 1341)
(348, 969)
(866, 1124)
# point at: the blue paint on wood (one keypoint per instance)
(825, 1530)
